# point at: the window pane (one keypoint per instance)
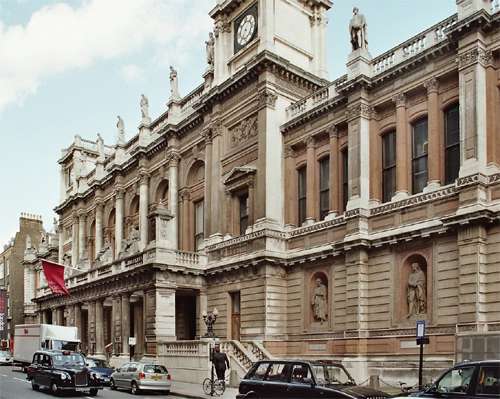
(452, 163)
(278, 372)
(452, 126)
(302, 184)
(456, 380)
(301, 374)
(420, 138)
(489, 380)
(389, 183)
(324, 174)
(452, 144)
(389, 150)
(345, 177)
(199, 217)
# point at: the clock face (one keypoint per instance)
(246, 29)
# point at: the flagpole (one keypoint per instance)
(58, 264)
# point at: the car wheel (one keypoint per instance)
(134, 389)
(54, 388)
(93, 392)
(34, 386)
(112, 385)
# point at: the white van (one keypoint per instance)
(29, 338)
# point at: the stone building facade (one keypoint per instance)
(321, 218)
(27, 239)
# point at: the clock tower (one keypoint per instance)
(291, 29)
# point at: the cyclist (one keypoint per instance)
(220, 361)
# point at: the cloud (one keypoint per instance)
(59, 38)
(132, 72)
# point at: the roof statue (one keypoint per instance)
(358, 30)
(174, 84)
(100, 148)
(120, 125)
(144, 108)
(210, 43)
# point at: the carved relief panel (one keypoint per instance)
(243, 132)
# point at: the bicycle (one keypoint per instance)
(215, 386)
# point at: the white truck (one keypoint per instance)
(28, 338)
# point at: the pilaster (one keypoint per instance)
(402, 148)
(143, 208)
(311, 203)
(160, 317)
(434, 135)
(98, 226)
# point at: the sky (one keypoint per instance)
(70, 67)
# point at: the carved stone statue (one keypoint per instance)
(66, 260)
(120, 125)
(55, 226)
(358, 30)
(416, 294)
(144, 108)
(174, 84)
(100, 147)
(105, 255)
(131, 245)
(320, 302)
(29, 244)
(210, 43)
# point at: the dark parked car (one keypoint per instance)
(100, 368)
(302, 379)
(62, 371)
(465, 381)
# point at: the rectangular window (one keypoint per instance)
(452, 144)
(243, 205)
(302, 190)
(324, 187)
(198, 225)
(388, 165)
(345, 178)
(419, 155)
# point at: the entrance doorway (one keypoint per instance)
(185, 316)
(235, 315)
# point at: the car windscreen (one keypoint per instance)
(96, 363)
(64, 345)
(4, 353)
(68, 360)
(152, 368)
(331, 374)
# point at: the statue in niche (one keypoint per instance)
(174, 84)
(144, 108)
(210, 43)
(358, 30)
(319, 301)
(416, 294)
(131, 245)
(66, 260)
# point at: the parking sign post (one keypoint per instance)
(421, 341)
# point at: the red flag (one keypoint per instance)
(54, 274)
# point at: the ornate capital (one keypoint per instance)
(266, 98)
(309, 141)
(399, 99)
(143, 177)
(119, 193)
(432, 85)
(185, 194)
(222, 25)
(207, 136)
(359, 110)
(333, 131)
(173, 158)
(289, 151)
(473, 56)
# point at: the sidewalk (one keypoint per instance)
(195, 391)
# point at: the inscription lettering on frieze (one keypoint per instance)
(134, 261)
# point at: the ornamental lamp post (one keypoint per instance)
(209, 319)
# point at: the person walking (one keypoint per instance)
(220, 361)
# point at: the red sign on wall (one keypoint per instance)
(3, 314)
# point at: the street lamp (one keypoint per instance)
(209, 319)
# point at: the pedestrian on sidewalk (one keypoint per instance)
(220, 361)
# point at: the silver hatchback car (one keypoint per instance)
(138, 376)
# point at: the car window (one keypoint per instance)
(153, 368)
(278, 372)
(301, 374)
(132, 368)
(91, 363)
(488, 382)
(46, 360)
(258, 372)
(456, 380)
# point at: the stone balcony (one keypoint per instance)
(175, 260)
(404, 52)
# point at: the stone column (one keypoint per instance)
(403, 170)
(215, 210)
(473, 64)
(54, 316)
(74, 242)
(98, 227)
(77, 314)
(359, 116)
(435, 158)
(251, 210)
(99, 327)
(186, 221)
(290, 188)
(119, 220)
(139, 327)
(311, 181)
(91, 327)
(81, 235)
(160, 316)
(334, 173)
(201, 306)
(173, 198)
(143, 209)
(356, 290)
(61, 243)
(125, 323)
(116, 325)
(208, 183)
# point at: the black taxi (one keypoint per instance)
(302, 379)
(62, 371)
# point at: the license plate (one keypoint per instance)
(156, 377)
